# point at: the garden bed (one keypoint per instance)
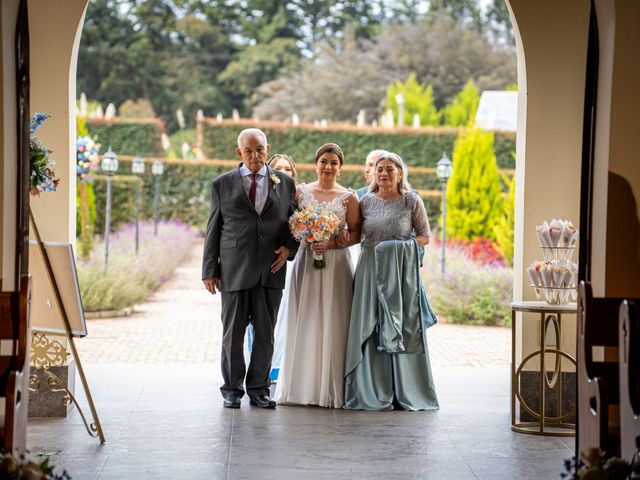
(469, 292)
(129, 278)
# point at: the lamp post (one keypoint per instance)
(137, 168)
(400, 102)
(444, 169)
(109, 166)
(157, 169)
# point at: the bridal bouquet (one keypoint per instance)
(314, 223)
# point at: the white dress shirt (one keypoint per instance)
(262, 187)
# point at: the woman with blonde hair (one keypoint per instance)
(283, 163)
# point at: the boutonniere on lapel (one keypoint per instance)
(275, 180)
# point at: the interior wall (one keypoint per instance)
(552, 42)
(8, 143)
(55, 27)
(622, 274)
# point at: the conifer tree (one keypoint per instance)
(504, 228)
(418, 98)
(474, 203)
(463, 107)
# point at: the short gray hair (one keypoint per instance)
(403, 184)
(251, 131)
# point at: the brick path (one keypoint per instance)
(180, 323)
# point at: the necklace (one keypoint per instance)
(324, 190)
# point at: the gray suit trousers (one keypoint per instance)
(258, 306)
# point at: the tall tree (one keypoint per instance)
(405, 11)
(418, 99)
(499, 21)
(109, 69)
(340, 82)
(259, 64)
(264, 20)
(462, 109)
(462, 12)
(170, 52)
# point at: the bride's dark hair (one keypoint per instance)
(330, 148)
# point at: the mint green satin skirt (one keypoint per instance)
(376, 380)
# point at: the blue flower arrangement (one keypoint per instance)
(87, 158)
(42, 178)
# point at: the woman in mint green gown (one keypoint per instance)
(387, 362)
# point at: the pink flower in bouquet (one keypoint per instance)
(314, 223)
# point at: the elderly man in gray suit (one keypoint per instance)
(246, 247)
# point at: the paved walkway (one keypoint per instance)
(180, 323)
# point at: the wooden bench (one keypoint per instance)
(629, 361)
(15, 345)
(597, 372)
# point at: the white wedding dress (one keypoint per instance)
(317, 327)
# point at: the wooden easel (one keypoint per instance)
(94, 429)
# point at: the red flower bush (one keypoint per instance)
(482, 251)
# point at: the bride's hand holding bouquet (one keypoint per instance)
(315, 225)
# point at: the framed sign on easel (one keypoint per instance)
(46, 317)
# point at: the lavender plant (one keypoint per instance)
(131, 278)
(468, 293)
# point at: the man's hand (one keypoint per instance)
(212, 284)
(282, 255)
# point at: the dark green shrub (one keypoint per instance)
(123, 200)
(128, 136)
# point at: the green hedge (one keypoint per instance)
(123, 201)
(185, 193)
(128, 137)
(417, 147)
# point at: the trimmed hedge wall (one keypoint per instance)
(185, 184)
(422, 147)
(185, 192)
(128, 136)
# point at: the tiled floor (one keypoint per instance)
(167, 422)
(155, 377)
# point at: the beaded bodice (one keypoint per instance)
(392, 219)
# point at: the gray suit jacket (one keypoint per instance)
(239, 244)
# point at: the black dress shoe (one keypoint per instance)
(262, 401)
(232, 402)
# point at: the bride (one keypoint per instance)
(319, 303)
